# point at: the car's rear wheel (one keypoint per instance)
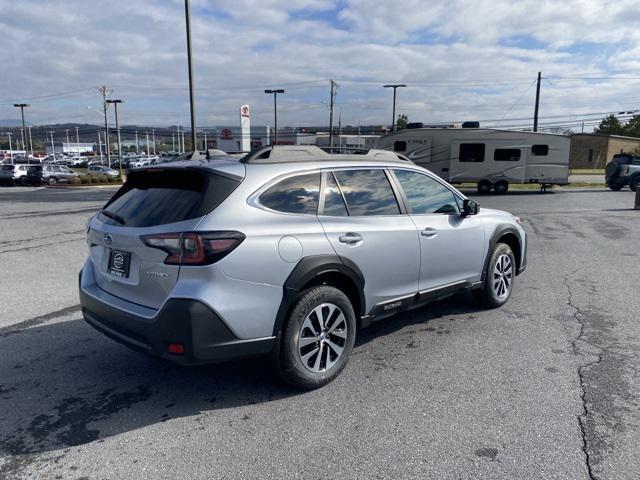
(484, 186)
(616, 186)
(52, 181)
(498, 282)
(317, 340)
(634, 182)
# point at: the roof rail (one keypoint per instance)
(311, 153)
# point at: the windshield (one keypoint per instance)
(7, 168)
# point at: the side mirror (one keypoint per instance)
(469, 207)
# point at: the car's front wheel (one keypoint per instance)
(498, 282)
(317, 340)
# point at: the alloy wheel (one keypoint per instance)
(322, 337)
(502, 277)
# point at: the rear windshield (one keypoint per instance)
(37, 169)
(157, 197)
(7, 167)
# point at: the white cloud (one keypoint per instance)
(441, 49)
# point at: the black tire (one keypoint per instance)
(288, 354)
(616, 186)
(634, 182)
(611, 171)
(52, 181)
(487, 295)
(484, 186)
(501, 187)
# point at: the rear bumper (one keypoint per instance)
(205, 336)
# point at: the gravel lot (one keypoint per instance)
(545, 388)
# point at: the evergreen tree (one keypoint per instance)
(632, 127)
(401, 123)
(610, 125)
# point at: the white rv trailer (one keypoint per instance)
(491, 158)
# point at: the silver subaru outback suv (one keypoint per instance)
(288, 252)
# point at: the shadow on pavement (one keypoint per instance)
(64, 384)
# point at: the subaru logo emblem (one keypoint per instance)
(107, 239)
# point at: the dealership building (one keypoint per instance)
(71, 148)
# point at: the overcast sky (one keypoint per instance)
(461, 59)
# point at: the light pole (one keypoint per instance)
(275, 113)
(153, 135)
(137, 147)
(30, 143)
(22, 106)
(77, 141)
(67, 132)
(147, 144)
(100, 147)
(187, 14)
(395, 87)
(53, 148)
(10, 147)
(115, 103)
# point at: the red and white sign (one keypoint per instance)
(244, 111)
(226, 134)
(245, 128)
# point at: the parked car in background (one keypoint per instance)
(13, 174)
(287, 252)
(52, 174)
(102, 170)
(624, 169)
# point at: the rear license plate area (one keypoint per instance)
(119, 263)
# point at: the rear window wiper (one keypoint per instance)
(113, 216)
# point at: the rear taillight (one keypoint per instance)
(194, 248)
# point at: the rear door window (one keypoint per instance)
(367, 192)
(333, 202)
(157, 197)
(298, 194)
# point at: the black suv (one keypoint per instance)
(624, 169)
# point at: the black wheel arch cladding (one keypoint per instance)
(502, 231)
(309, 268)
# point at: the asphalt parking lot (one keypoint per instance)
(545, 388)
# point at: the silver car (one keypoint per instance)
(288, 252)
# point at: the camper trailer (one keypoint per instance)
(491, 158)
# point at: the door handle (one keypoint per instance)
(350, 238)
(429, 232)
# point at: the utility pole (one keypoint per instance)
(147, 144)
(115, 108)
(334, 86)
(67, 132)
(205, 142)
(24, 142)
(184, 149)
(137, 148)
(53, 149)
(153, 134)
(275, 113)
(22, 106)
(104, 91)
(77, 141)
(187, 14)
(173, 142)
(395, 87)
(100, 146)
(535, 113)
